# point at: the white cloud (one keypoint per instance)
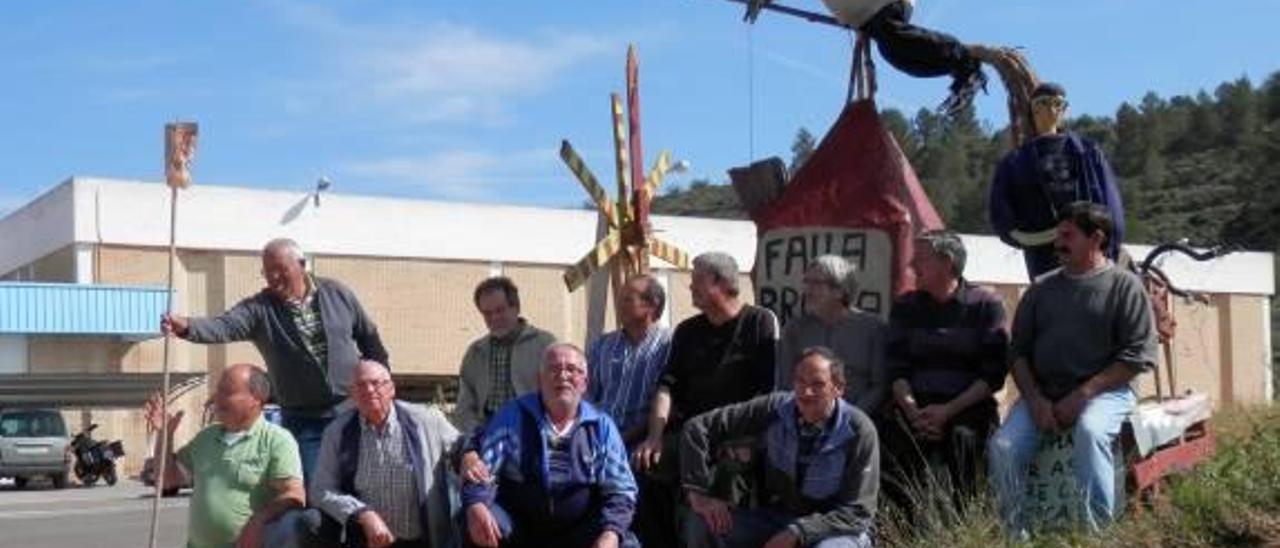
(462, 174)
(434, 72)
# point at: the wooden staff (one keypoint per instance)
(179, 144)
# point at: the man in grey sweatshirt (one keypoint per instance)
(311, 332)
(1081, 335)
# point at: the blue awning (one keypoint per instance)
(80, 309)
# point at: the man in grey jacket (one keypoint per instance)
(504, 363)
(382, 471)
(311, 332)
(821, 459)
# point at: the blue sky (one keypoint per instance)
(469, 100)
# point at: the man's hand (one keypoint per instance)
(174, 325)
(909, 408)
(931, 422)
(647, 454)
(251, 534)
(607, 539)
(473, 469)
(481, 527)
(784, 539)
(1068, 409)
(376, 533)
(154, 411)
(713, 511)
(1042, 413)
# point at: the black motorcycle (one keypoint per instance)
(95, 459)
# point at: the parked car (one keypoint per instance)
(33, 443)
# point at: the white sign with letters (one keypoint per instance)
(783, 254)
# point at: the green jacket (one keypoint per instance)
(474, 379)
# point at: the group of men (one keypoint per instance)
(726, 431)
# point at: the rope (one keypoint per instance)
(751, 95)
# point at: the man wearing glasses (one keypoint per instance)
(1034, 182)
(311, 332)
(555, 469)
(380, 478)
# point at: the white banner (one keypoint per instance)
(783, 254)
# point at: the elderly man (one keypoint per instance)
(857, 337)
(723, 355)
(381, 473)
(1080, 336)
(625, 364)
(502, 364)
(821, 461)
(947, 357)
(561, 475)
(246, 470)
(310, 330)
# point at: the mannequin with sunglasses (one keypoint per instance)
(1034, 182)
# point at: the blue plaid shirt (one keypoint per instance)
(622, 377)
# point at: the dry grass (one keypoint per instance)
(1231, 500)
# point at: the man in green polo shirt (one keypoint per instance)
(246, 470)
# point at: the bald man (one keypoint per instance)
(246, 470)
(381, 474)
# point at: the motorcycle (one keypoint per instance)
(95, 459)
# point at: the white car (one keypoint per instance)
(33, 443)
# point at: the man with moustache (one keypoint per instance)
(1080, 336)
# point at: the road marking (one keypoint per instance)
(27, 514)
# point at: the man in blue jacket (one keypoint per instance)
(822, 466)
(1036, 181)
(559, 468)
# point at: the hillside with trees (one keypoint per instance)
(1205, 167)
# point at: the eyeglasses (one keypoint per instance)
(1049, 101)
(377, 385)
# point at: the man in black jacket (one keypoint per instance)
(311, 332)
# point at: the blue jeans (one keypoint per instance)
(754, 527)
(578, 536)
(307, 430)
(1014, 445)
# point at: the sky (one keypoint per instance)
(468, 101)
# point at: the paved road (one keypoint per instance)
(76, 517)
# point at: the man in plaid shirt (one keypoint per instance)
(502, 364)
(380, 480)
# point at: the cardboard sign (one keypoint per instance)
(783, 254)
(1053, 498)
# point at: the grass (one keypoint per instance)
(1231, 500)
